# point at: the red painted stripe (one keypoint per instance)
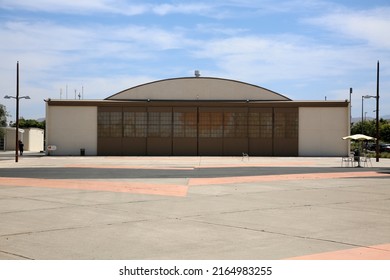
(91, 185)
(284, 177)
(376, 252)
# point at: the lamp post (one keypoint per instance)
(377, 112)
(350, 109)
(363, 97)
(17, 98)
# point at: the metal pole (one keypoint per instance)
(17, 113)
(362, 116)
(377, 112)
(350, 110)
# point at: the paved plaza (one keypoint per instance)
(202, 208)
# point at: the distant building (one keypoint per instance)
(197, 116)
(32, 138)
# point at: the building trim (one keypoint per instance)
(199, 103)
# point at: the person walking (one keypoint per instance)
(21, 147)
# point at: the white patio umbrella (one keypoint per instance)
(358, 137)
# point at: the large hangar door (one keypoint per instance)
(222, 131)
(260, 130)
(204, 131)
(159, 141)
(235, 131)
(122, 131)
(110, 131)
(134, 131)
(210, 131)
(185, 131)
(286, 132)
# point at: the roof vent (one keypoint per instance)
(197, 73)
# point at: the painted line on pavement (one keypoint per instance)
(283, 177)
(376, 252)
(91, 185)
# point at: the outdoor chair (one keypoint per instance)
(348, 161)
(366, 161)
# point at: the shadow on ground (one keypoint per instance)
(126, 173)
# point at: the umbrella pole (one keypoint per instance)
(360, 152)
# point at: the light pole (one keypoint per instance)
(363, 97)
(17, 98)
(377, 112)
(350, 110)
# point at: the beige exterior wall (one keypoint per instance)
(71, 128)
(321, 131)
(10, 138)
(33, 139)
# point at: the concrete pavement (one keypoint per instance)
(192, 208)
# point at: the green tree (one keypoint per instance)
(385, 132)
(369, 128)
(23, 123)
(362, 128)
(3, 119)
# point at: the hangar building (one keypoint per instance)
(197, 116)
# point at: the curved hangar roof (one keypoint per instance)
(198, 88)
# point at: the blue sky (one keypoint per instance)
(304, 49)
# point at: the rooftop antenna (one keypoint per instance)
(197, 73)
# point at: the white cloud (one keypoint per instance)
(109, 6)
(267, 7)
(36, 40)
(149, 37)
(214, 9)
(52, 55)
(371, 26)
(42, 35)
(76, 6)
(279, 58)
(48, 45)
(187, 8)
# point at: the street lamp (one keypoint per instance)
(350, 109)
(365, 97)
(20, 97)
(17, 98)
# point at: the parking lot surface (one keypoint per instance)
(192, 208)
